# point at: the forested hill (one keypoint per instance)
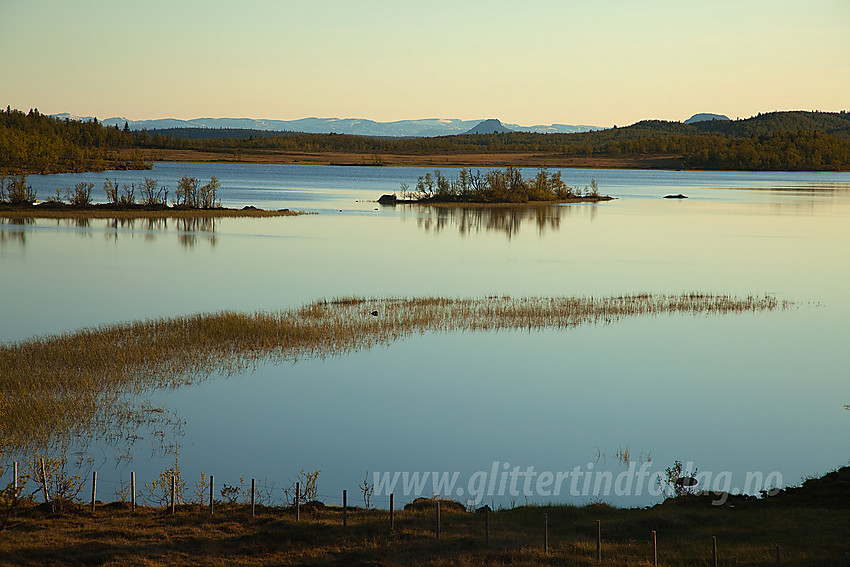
(35, 143)
(818, 141)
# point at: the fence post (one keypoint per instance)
(44, 483)
(133, 491)
(714, 550)
(392, 512)
(15, 478)
(93, 489)
(599, 540)
(212, 483)
(487, 524)
(253, 499)
(297, 501)
(654, 549)
(344, 508)
(172, 494)
(438, 519)
(545, 533)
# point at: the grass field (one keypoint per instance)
(114, 535)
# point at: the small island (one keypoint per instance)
(495, 187)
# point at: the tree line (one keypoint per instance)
(34, 143)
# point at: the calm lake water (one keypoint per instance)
(758, 393)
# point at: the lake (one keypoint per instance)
(758, 394)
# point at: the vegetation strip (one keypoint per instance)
(64, 383)
(96, 212)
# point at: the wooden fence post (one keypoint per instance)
(133, 491)
(545, 533)
(212, 492)
(253, 499)
(599, 540)
(392, 512)
(438, 519)
(93, 490)
(487, 524)
(714, 550)
(344, 508)
(654, 549)
(297, 501)
(173, 504)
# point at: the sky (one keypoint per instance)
(592, 62)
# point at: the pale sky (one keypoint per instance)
(596, 62)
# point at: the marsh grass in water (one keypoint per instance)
(85, 383)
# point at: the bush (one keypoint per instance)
(16, 190)
(80, 195)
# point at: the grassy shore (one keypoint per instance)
(101, 211)
(449, 159)
(814, 533)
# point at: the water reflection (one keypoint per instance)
(505, 219)
(15, 234)
(190, 231)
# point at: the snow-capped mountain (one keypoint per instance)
(362, 127)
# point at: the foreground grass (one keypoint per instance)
(113, 535)
(76, 381)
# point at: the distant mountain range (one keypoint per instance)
(401, 128)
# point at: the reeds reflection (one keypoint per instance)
(88, 382)
(507, 219)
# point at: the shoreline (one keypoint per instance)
(482, 160)
(100, 211)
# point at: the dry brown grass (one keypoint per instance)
(523, 159)
(152, 537)
(80, 381)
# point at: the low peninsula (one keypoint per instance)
(146, 200)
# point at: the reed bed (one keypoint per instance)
(80, 382)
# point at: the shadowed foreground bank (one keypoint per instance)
(801, 530)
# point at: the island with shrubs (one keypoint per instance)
(497, 186)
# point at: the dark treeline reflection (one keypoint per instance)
(505, 219)
(190, 231)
